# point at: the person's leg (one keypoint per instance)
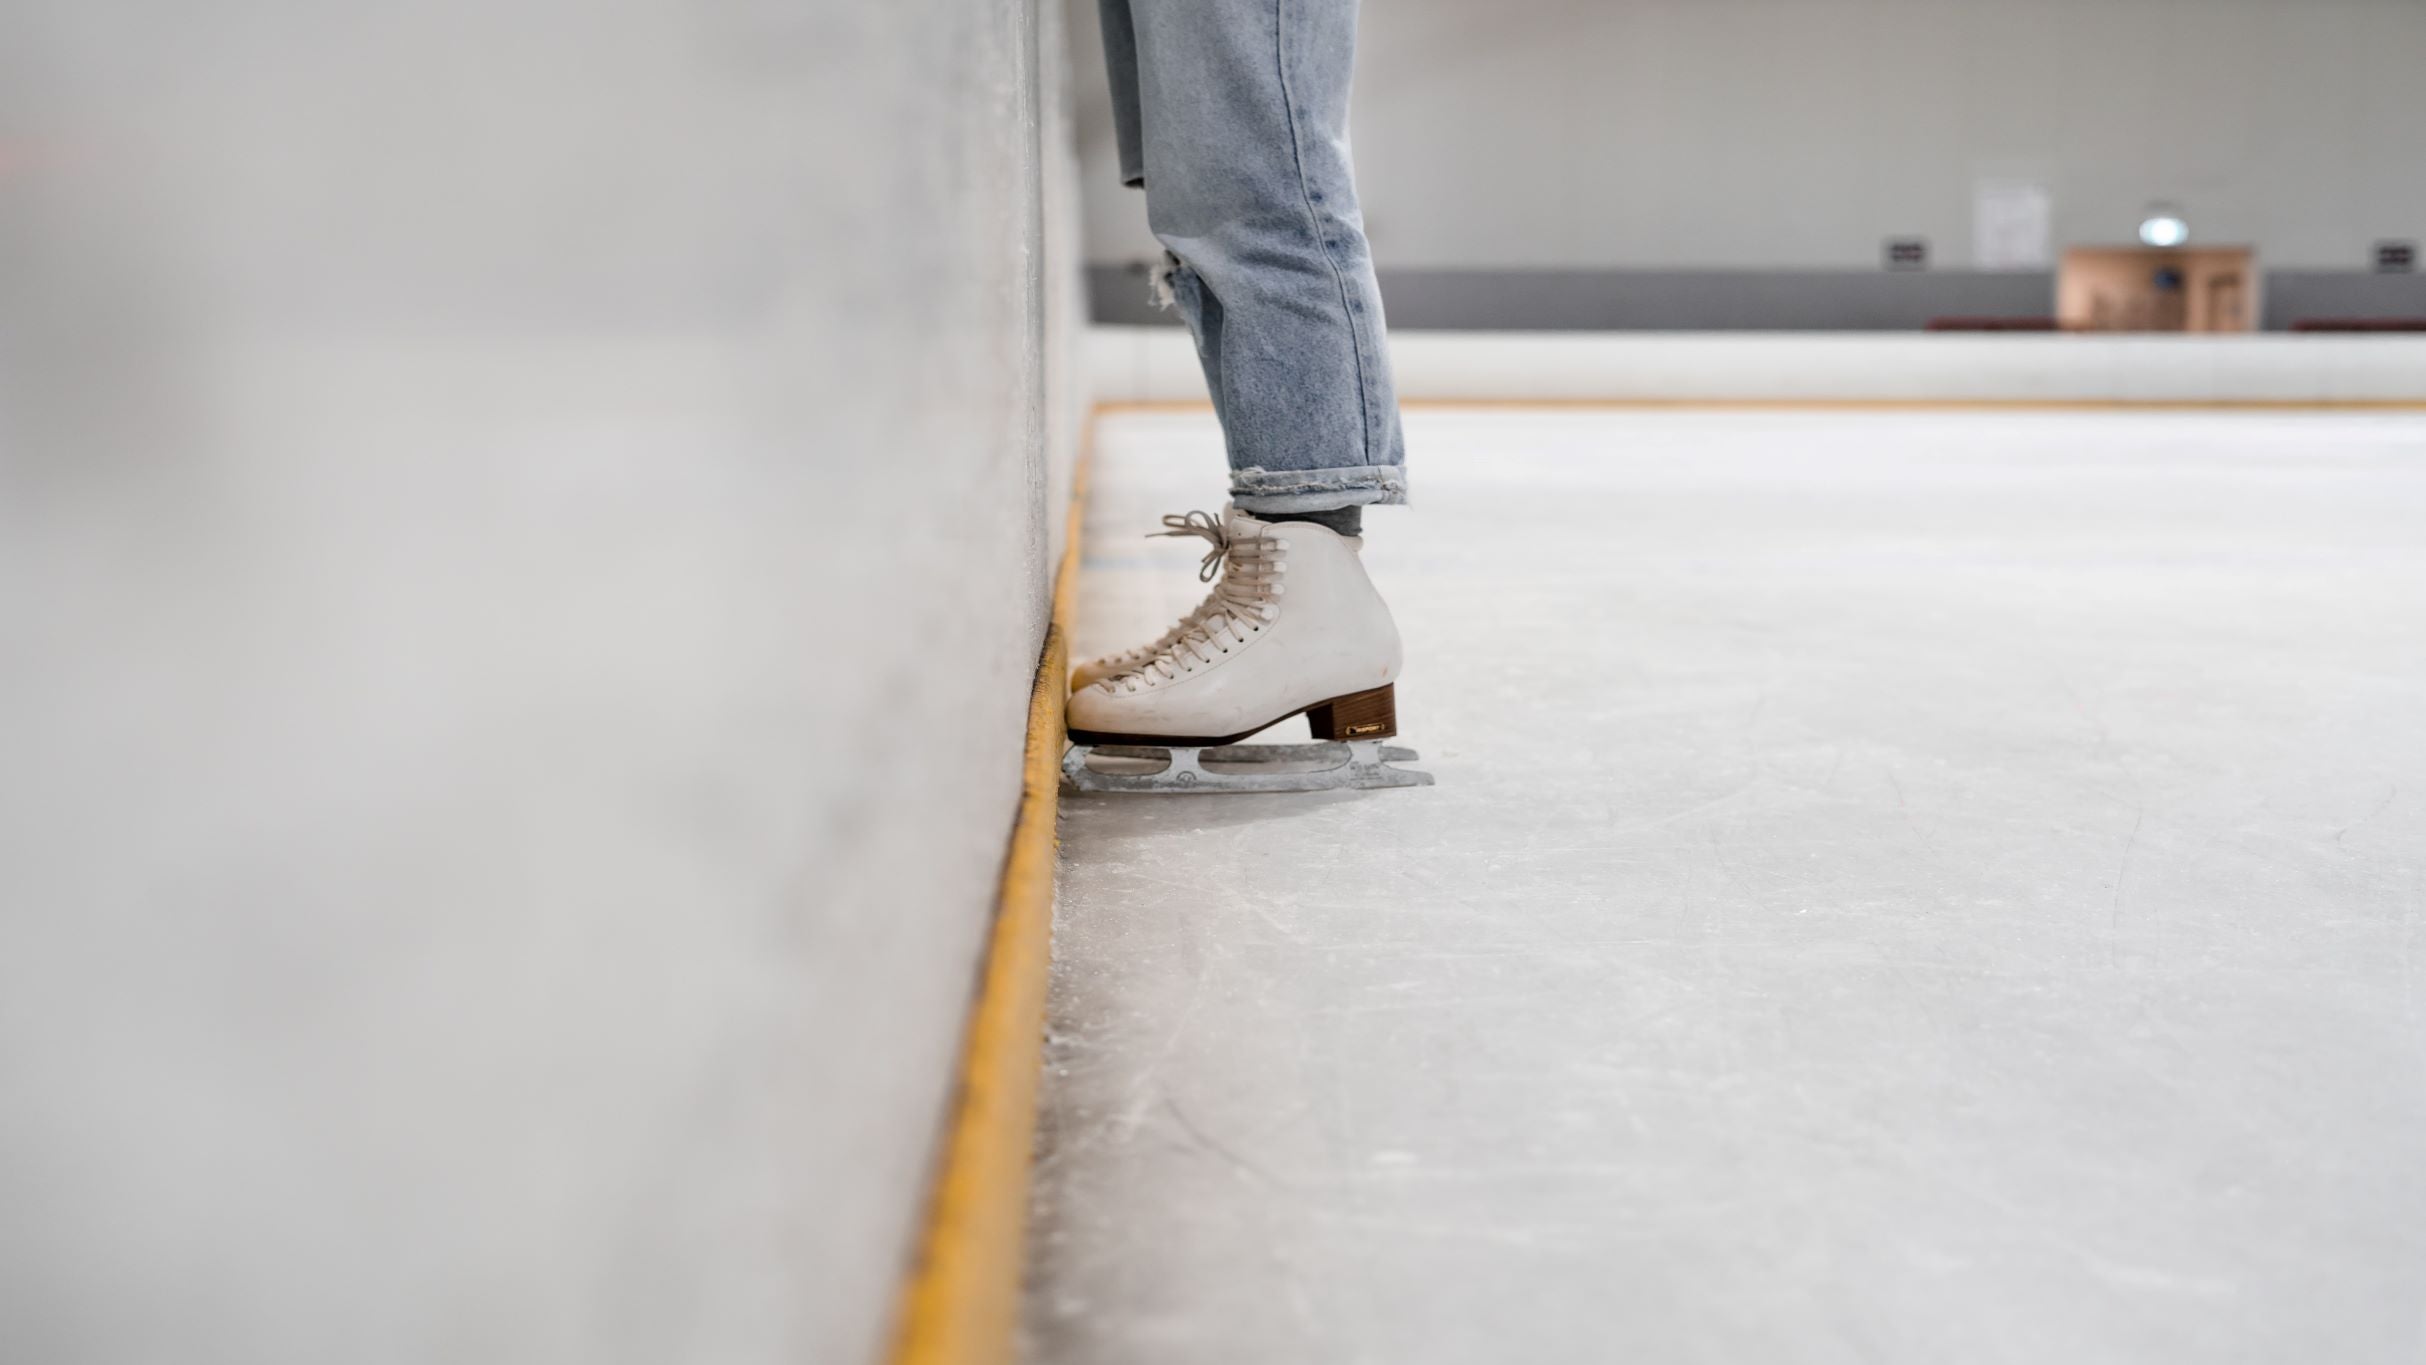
(1234, 114)
(1240, 123)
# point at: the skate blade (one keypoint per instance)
(1353, 765)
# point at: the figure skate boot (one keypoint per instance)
(1293, 627)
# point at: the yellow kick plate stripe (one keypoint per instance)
(961, 1304)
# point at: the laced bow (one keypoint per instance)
(1205, 525)
(1238, 607)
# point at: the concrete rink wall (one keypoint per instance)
(524, 540)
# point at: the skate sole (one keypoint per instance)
(1371, 714)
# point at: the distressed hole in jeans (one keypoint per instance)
(1162, 283)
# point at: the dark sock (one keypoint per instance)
(1347, 521)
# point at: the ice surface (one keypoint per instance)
(1900, 888)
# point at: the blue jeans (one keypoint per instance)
(1233, 116)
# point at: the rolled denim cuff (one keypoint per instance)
(1317, 490)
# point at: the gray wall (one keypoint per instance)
(1791, 137)
(524, 534)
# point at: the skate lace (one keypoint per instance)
(1240, 605)
(1130, 658)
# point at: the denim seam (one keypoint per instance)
(1297, 158)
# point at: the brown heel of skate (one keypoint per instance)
(1359, 715)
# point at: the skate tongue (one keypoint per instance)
(1244, 525)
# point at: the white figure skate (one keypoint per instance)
(1292, 628)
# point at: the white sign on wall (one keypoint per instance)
(2013, 226)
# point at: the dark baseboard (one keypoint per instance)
(1761, 300)
(2294, 296)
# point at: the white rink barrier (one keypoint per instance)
(1158, 364)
